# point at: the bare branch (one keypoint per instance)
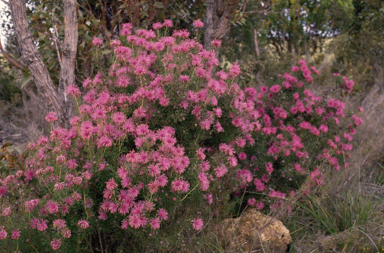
(55, 39)
(6, 2)
(12, 61)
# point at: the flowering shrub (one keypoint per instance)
(161, 143)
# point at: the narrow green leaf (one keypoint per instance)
(106, 52)
(159, 5)
(26, 81)
(6, 145)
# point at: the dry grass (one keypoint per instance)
(20, 125)
(353, 198)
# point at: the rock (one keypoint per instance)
(254, 230)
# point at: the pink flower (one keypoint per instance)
(295, 68)
(198, 24)
(314, 70)
(7, 211)
(3, 233)
(221, 171)
(184, 78)
(15, 234)
(128, 26)
(200, 154)
(260, 205)
(102, 215)
(77, 180)
(60, 159)
(111, 184)
(134, 221)
(157, 26)
(323, 128)
(357, 120)
(104, 141)
(315, 131)
(66, 233)
(41, 225)
(204, 181)
(142, 129)
(163, 214)
(216, 43)
(30, 205)
(305, 125)
(155, 223)
(269, 167)
(168, 23)
(59, 223)
(234, 70)
(119, 118)
(264, 89)
(51, 117)
(179, 185)
(115, 43)
(349, 84)
(245, 175)
(274, 88)
(242, 156)
(52, 207)
(251, 202)
(97, 41)
(73, 90)
(83, 224)
(197, 224)
(56, 243)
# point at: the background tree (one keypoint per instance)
(55, 99)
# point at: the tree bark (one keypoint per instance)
(257, 52)
(55, 99)
(68, 50)
(218, 15)
(32, 58)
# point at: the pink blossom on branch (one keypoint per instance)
(198, 24)
(97, 42)
(197, 224)
(83, 224)
(56, 244)
(51, 117)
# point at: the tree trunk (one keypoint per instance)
(55, 100)
(68, 50)
(257, 52)
(218, 15)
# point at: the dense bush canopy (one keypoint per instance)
(164, 143)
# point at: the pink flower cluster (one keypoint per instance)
(173, 75)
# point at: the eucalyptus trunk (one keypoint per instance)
(55, 99)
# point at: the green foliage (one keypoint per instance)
(360, 50)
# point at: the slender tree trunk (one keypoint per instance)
(218, 15)
(257, 52)
(68, 50)
(55, 99)
(209, 22)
